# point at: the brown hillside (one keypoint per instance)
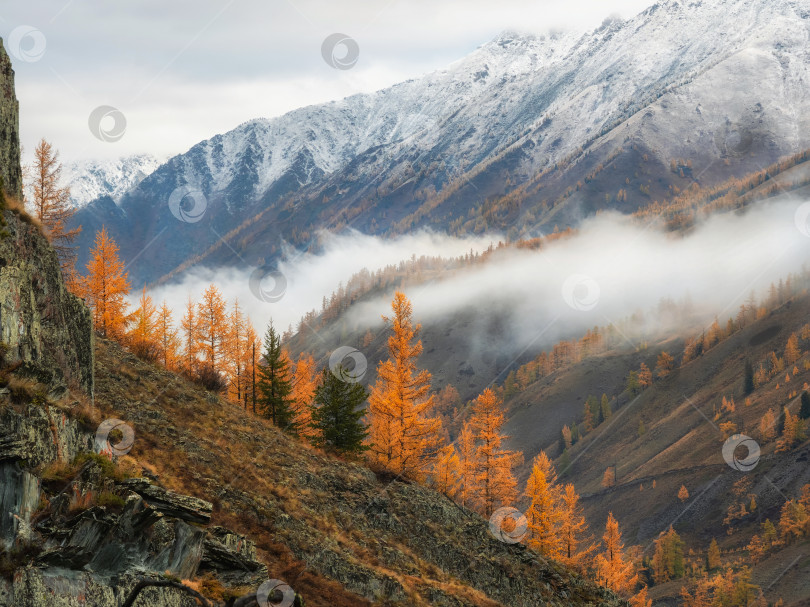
(333, 530)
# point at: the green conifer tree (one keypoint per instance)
(337, 415)
(275, 383)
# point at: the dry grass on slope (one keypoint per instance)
(316, 518)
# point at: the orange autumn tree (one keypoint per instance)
(106, 287)
(613, 569)
(446, 472)
(573, 530)
(252, 353)
(211, 328)
(403, 437)
(50, 204)
(495, 483)
(544, 514)
(466, 465)
(234, 346)
(168, 342)
(189, 326)
(305, 382)
(141, 336)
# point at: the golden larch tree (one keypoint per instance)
(792, 350)
(466, 462)
(567, 438)
(791, 433)
(665, 364)
(446, 471)
(683, 493)
(50, 204)
(609, 477)
(305, 382)
(767, 426)
(142, 335)
(573, 530)
(106, 287)
(233, 350)
(212, 329)
(613, 569)
(403, 436)
(640, 599)
(189, 327)
(495, 482)
(645, 377)
(168, 342)
(544, 514)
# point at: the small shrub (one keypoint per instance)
(17, 557)
(207, 377)
(108, 468)
(110, 500)
(210, 587)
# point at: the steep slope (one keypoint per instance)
(314, 517)
(560, 123)
(682, 445)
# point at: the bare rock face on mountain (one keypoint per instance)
(10, 169)
(42, 325)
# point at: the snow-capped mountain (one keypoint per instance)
(704, 81)
(91, 179)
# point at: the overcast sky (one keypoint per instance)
(181, 71)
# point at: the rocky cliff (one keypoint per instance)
(42, 325)
(86, 533)
(10, 169)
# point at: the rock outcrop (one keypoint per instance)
(10, 169)
(41, 324)
(88, 539)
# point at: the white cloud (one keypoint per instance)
(311, 277)
(621, 267)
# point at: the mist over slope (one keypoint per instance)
(520, 301)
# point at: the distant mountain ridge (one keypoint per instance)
(563, 124)
(92, 179)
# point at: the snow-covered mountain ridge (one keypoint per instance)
(91, 179)
(702, 72)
